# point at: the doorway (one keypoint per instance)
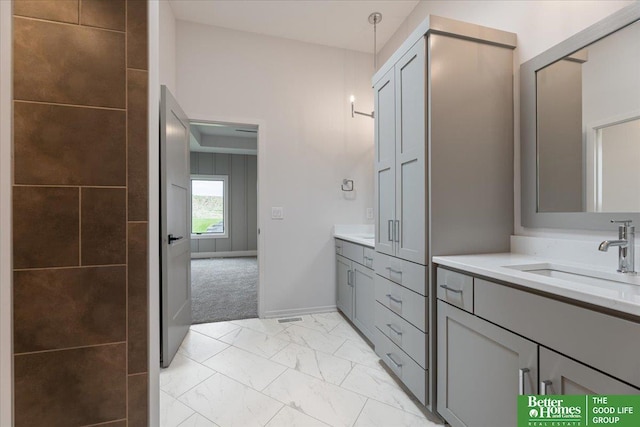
(208, 207)
(224, 221)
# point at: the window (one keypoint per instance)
(209, 201)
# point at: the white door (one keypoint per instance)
(175, 292)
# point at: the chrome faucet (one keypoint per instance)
(626, 246)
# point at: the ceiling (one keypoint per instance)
(225, 138)
(226, 129)
(336, 23)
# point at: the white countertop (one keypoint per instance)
(623, 297)
(362, 234)
(361, 239)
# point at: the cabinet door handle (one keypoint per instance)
(544, 385)
(396, 231)
(521, 373)
(455, 291)
(393, 270)
(389, 227)
(393, 328)
(394, 299)
(350, 278)
(398, 365)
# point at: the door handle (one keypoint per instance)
(393, 270)
(394, 329)
(394, 299)
(455, 291)
(390, 357)
(521, 383)
(389, 227)
(396, 231)
(174, 239)
(350, 278)
(544, 385)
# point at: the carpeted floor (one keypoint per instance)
(224, 289)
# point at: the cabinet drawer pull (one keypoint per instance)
(455, 291)
(394, 299)
(394, 329)
(393, 270)
(544, 385)
(521, 373)
(398, 365)
(389, 227)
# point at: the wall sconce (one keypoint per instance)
(354, 112)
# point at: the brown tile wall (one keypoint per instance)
(80, 203)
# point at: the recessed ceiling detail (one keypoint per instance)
(224, 138)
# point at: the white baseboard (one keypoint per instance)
(299, 311)
(231, 254)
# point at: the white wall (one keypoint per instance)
(300, 94)
(167, 43)
(539, 26)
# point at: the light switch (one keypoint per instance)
(369, 213)
(277, 212)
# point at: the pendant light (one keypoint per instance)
(374, 19)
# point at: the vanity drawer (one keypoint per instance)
(350, 250)
(403, 334)
(368, 257)
(407, 273)
(607, 343)
(403, 366)
(455, 288)
(407, 304)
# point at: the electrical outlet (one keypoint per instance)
(369, 213)
(277, 212)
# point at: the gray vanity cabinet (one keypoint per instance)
(385, 169)
(400, 158)
(363, 300)
(512, 342)
(345, 287)
(481, 366)
(355, 288)
(561, 375)
(443, 165)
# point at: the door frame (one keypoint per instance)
(153, 309)
(261, 124)
(6, 314)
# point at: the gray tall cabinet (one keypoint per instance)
(443, 177)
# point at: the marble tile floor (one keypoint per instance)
(259, 372)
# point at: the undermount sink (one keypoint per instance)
(578, 274)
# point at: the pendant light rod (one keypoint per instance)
(374, 19)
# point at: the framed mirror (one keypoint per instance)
(580, 128)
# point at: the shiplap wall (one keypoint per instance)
(242, 172)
